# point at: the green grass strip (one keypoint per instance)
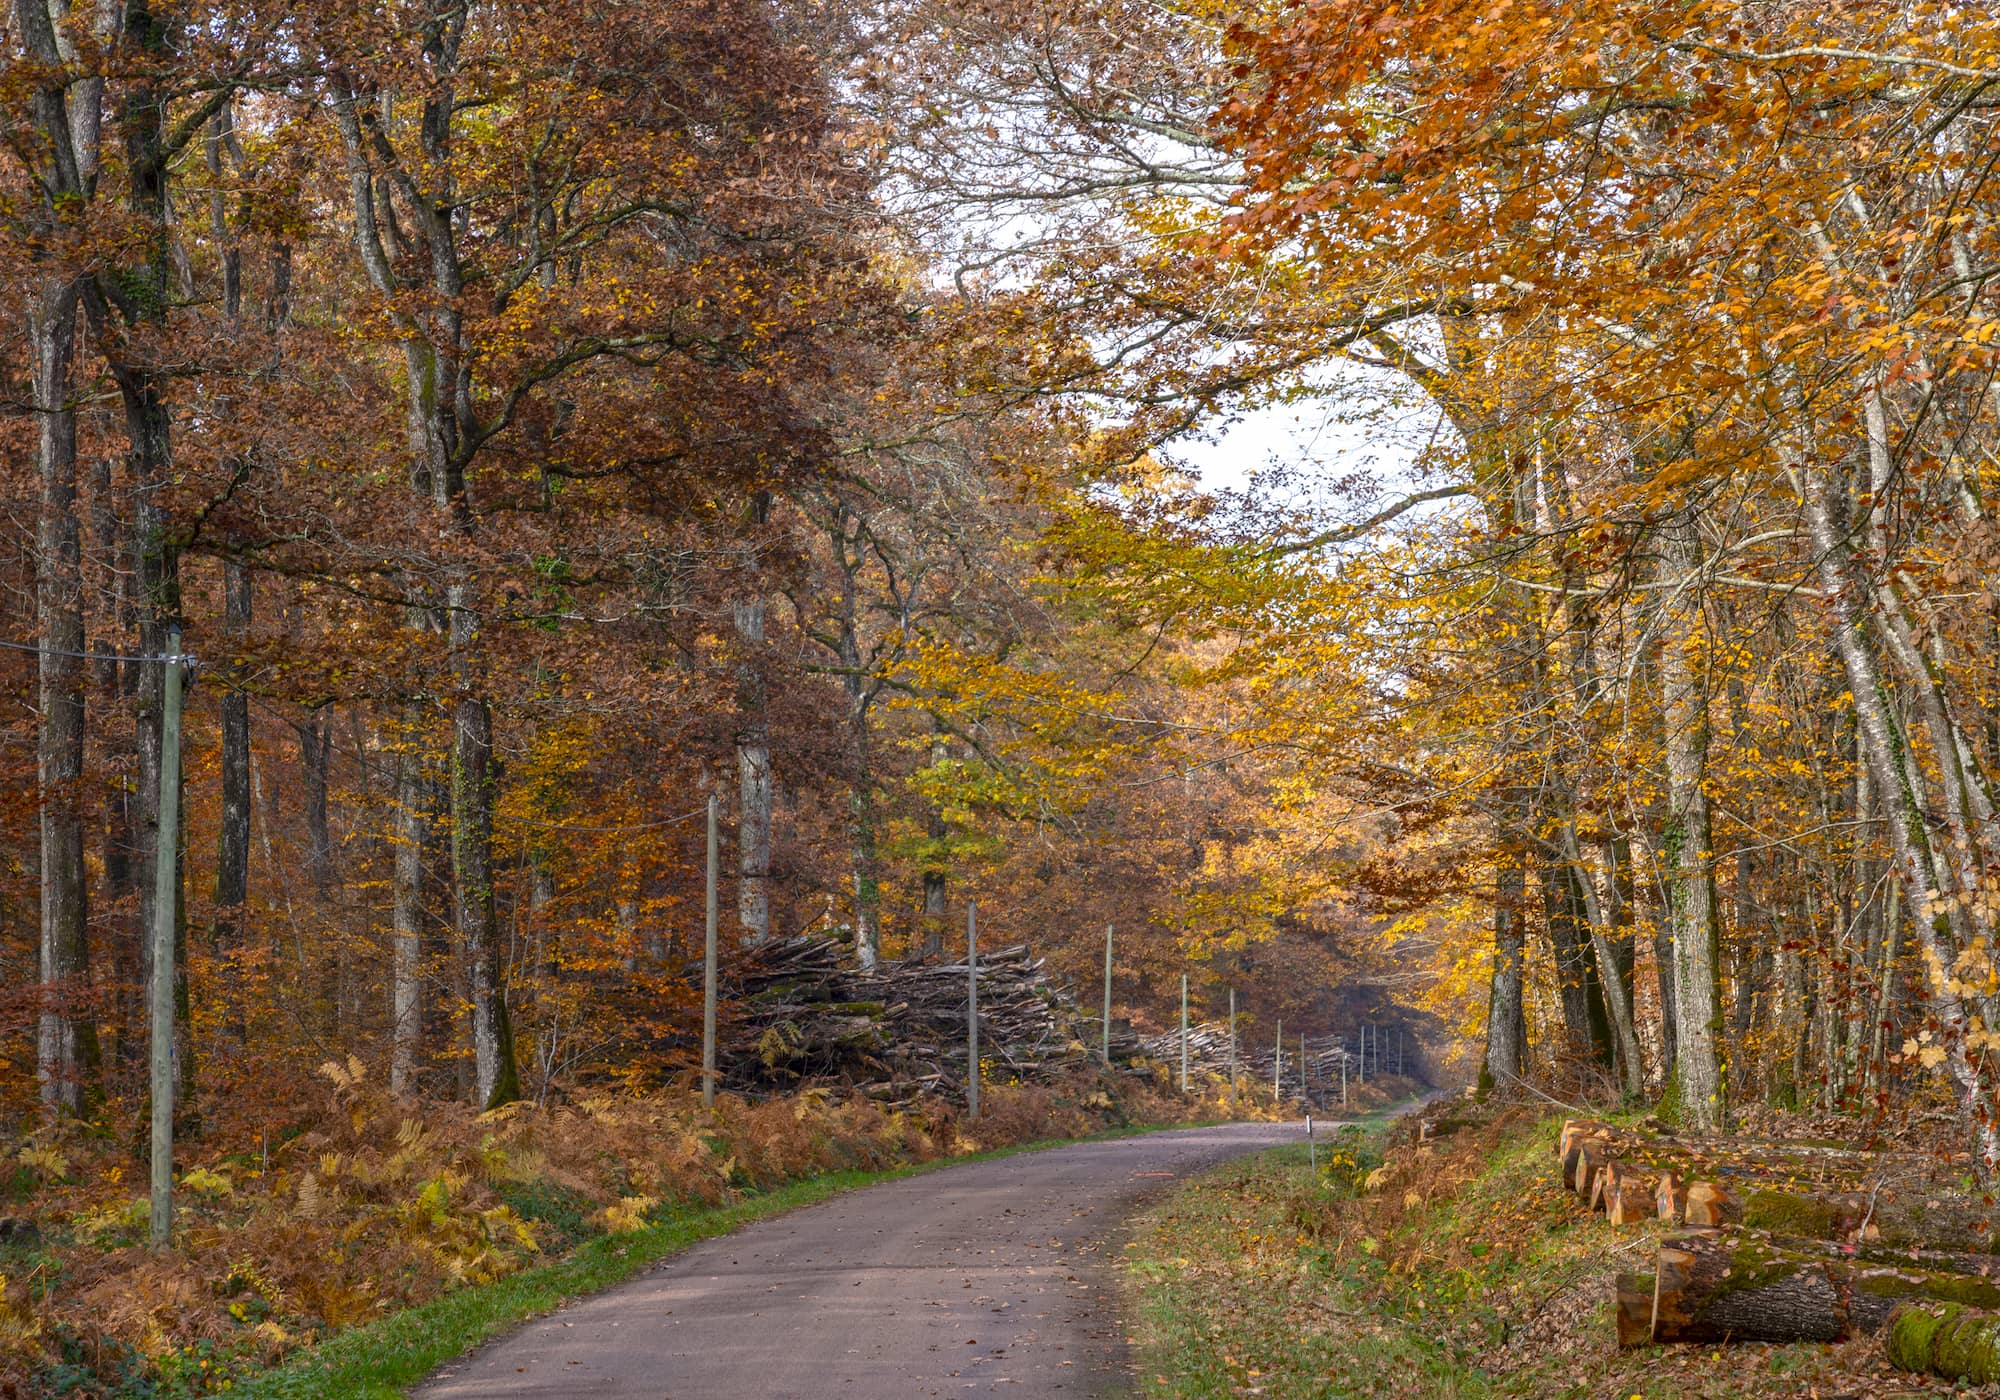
(380, 1360)
(1213, 1322)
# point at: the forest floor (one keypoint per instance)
(1477, 1277)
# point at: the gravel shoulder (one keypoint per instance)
(990, 1278)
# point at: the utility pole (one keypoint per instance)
(1184, 1040)
(972, 1011)
(1343, 1071)
(166, 858)
(1305, 1072)
(708, 979)
(1361, 1065)
(1232, 1050)
(1278, 1066)
(1107, 996)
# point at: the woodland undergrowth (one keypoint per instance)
(374, 1204)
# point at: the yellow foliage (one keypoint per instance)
(47, 1163)
(627, 1215)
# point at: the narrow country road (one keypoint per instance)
(990, 1278)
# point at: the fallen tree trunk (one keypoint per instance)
(1896, 1218)
(1944, 1339)
(1726, 1285)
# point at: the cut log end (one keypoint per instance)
(1630, 1194)
(1634, 1299)
(1710, 1204)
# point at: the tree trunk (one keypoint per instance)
(753, 771)
(67, 1055)
(406, 994)
(1610, 970)
(498, 1077)
(1898, 787)
(1585, 1020)
(315, 746)
(1688, 848)
(936, 871)
(232, 855)
(1506, 1017)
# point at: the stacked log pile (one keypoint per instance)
(1779, 1241)
(804, 1016)
(1315, 1080)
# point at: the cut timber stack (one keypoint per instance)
(803, 1015)
(1208, 1058)
(1793, 1241)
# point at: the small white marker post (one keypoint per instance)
(1312, 1149)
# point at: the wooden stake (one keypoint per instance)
(1106, 1056)
(1232, 1049)
(166, 858)
(1184, 1035)
(708, 977)
(1278, 1065)
(972, 1012)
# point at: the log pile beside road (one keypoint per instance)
(1779, 1241)
(804, 1015)
(1315, 1081)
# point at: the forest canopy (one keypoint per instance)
(537, 421)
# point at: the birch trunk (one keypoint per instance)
(1898, 787)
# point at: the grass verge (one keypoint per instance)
(1238, 1295)
(381, 1360)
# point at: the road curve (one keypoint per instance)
(989, 1278)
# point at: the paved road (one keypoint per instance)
(994, 1278)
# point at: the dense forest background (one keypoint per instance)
(537, 419)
